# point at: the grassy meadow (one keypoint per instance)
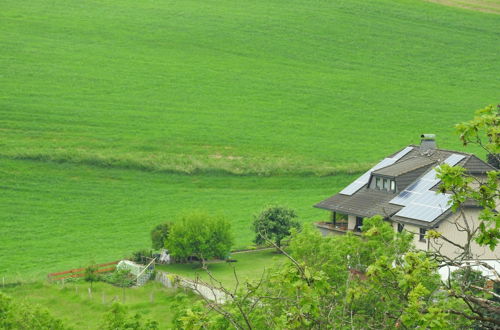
(118, 115)
(72, 304)
(260, 87)
(249, 266)
(63, 216)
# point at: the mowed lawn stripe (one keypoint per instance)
(59, 216)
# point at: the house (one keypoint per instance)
(403, 189)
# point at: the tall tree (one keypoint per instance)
(274, 223)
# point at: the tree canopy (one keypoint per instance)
(200, 235)
(274, 223)
(378, 280)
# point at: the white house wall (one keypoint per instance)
(449, 230)
(416, 237)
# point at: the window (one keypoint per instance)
(386, 184)
(359, 223)
(421, 237)
(378, 183)
(393, 185)
(400, 227)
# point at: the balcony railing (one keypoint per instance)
(338, 227)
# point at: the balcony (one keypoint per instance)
(339, 228)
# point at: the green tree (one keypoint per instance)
(379, 280)
(484, 131)
(200, 235)
(159, 235)
(274, 223)
(373, 281)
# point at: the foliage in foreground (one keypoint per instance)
(373, 281)
(378, 280)
(119, 318)
(483, 301)
(21, 316)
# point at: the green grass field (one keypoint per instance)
(235, 86)
(106, 106)
(62, 216)
(72, 303)
(249, 266)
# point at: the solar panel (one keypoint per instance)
(416, 189)
(419, 201)
(420, 212)
(454, 159)
(427, 207)
(362, 180)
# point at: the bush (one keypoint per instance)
(142, 256)
(91, 274)
(120, 277)
(119, 318)
(159, 235)
(21, 316)
(200, 236)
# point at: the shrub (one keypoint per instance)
(159, 235)
(200, 236)
(142, 256)
(91, 274)
(21, 316)
(120, 277)
(119, 318)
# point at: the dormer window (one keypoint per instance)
(381, 183)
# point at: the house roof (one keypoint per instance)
(404, 166)
(415, 200)
(364, 203)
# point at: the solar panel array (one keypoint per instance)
(362, 180)
(416, 189)
(419, 201)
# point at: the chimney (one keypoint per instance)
(427, 142)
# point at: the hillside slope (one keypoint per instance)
(260, 87)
